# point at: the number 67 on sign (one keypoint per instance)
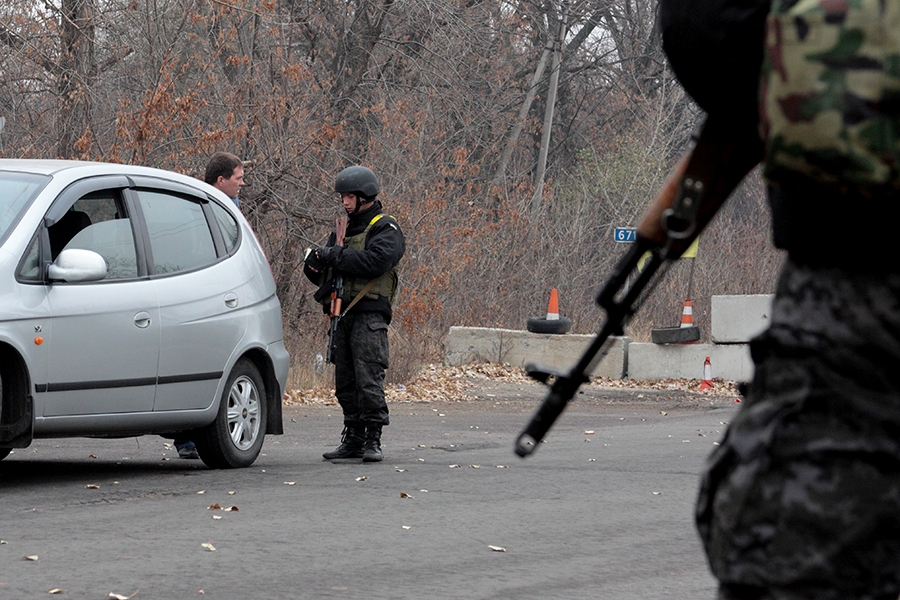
(625, 234)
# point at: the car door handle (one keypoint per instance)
(142, 319)
(231, 300)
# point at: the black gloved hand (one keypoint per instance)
(312, 261)
(329, 254)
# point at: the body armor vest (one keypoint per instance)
(385, 285)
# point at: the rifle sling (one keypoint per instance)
(359, 296)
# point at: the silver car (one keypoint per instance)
(134, 301)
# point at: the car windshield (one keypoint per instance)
(17, 190)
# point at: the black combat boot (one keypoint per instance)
(372, 448)
(352, 439)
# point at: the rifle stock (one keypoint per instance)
(691, 196)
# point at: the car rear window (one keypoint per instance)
(180, 238)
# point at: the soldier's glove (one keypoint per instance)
(329, 254)
(312, 261)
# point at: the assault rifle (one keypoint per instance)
(704, 178)
(334, 313)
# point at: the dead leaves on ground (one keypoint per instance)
(454, 384)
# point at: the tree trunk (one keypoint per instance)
(76, 68)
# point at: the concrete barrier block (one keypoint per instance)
(653, 362)
(464, 345)
(737, 319)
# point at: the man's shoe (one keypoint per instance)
(188, 451)
(372, 450)
(352, 439)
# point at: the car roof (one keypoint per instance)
(71, 170)
(84, 167)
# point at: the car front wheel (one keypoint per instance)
(235, 438)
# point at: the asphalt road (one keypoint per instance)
(602, 510)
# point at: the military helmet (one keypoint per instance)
(357, 180)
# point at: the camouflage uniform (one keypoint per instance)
(801, 501)
(802, 498)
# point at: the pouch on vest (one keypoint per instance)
(830, 94)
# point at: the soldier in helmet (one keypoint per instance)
(367, 261)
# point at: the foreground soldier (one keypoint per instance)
(367, 263)
(801, 501)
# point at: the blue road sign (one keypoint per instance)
(625, 234)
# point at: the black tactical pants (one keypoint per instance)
(360, 359)
(801, 501)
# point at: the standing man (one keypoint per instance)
(367, 261)
(225, 171)
(801, 500)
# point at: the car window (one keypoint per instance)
(96, 222)
(227, 225)
(16, 192)
(180, 238)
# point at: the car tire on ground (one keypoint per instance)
(544, 325)
(235, 438)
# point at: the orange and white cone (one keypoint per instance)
(687, 315)
(706, 384)
(553, 306)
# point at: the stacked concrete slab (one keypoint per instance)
(735, 320)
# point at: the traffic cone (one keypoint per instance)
(553, 306)
(706, 384)
(687, 315)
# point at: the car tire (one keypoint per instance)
(544, 325)
(4, 452)
(235, 438)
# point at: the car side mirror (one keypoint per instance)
(76, 264)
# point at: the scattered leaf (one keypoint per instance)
(215, 506)
(217, 517)
(663, 413)
(454, 466)
(120, 596)
(399, 470)
(502, 466)
(231, 509)
(57, 591)
(589, 432)
(497, 548)
(657, 493)
(202, 492)
(290, 483)
(232, 493)
(32, 558)
(405, 495)
(208, 546)
(91, 456)
(362, 478)
(92, 486)
(406, 527)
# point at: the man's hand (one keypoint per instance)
(328, 254)
(313, 263)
